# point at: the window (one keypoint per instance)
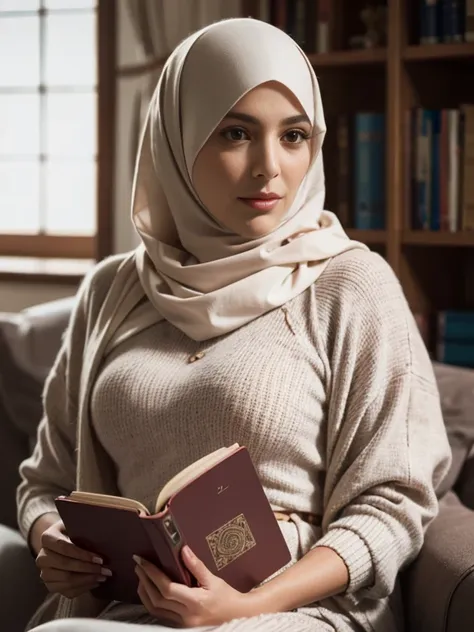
(49, 124)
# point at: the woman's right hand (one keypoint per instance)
(65, 568)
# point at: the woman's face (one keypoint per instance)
(249, 171)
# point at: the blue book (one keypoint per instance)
(456, 326)
(457, 353)
(369, 171)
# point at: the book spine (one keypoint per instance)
(369, 159)
(459, 354)
(453, 170)
(469, 21)
(323, 21)
(423, 168)
(300, 24)
(444, 170)
(166, 540)
(454, 327)
(435, 219)
(429, 33)
(457, 24)
(468, 169)
(362, 174)
(264, 10)
(378, 170)
(343, 170)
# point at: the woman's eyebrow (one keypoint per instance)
(247, 118)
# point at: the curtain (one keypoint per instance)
(159, 26)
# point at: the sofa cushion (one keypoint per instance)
(20, 394)
(465, 483)
(456, 389)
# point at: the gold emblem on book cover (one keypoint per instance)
(230, 541)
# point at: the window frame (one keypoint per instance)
(100, 245)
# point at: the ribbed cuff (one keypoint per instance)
(34, 510)
(355, 554)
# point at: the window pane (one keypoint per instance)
(71, 125)
(71, 50)
(70, 4)
(19, 197)
(71, 198)
(19, 44)
(19, 125)
(19, 5)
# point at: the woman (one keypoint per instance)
(247, 316)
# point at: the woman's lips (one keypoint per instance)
(261, 204)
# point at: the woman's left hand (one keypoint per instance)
(212, 603)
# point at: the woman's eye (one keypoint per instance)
(295, 136)
(235, 133)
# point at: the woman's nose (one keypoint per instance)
(265, 161)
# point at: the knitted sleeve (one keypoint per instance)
(51, 469)
(387, 448)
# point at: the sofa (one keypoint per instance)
(437, 589)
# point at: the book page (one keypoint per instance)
(190, 473)
(104, 500)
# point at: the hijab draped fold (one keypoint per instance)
(204, 279)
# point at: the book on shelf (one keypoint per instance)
(440, 168)
(455, 337)
(469, 21)
(216, 505)
(447, 21)
(369, 170)
(360, 170)
(309, 22)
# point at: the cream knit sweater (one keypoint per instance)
(333, 394)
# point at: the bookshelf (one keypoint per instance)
(435, 268)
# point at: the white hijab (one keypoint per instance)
(198, 275)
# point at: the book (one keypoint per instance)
(369, 170)
(216, 505)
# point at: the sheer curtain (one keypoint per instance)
(159, 26)
(148, 32)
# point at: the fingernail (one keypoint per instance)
(97, 560)
(101, 579)
(106, 571)
(137, 559)
(189, 553)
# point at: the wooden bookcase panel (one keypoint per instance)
(439, 83)
(436, 279)
(436, 268)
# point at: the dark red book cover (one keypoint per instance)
(223, 515)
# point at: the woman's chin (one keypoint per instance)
(259, 227)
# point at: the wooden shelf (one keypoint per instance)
(427, 52)
(343, 58)
(368, 236)
(438, 238)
